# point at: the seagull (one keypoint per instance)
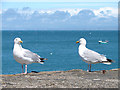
(89, 56)
(24, 56)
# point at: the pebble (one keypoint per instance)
(63, 79)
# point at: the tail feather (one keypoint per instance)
(41, 62)
(43, 59)
(109, 61)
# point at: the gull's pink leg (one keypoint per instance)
(88, 68)
(25, 69)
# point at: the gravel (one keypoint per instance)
(62, 79)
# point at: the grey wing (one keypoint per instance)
(92, 56)
(33, 56)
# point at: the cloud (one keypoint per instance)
(107, 11)
(61, 19)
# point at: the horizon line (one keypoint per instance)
(61, 30)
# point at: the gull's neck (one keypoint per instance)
(82, 47)
(17, 47)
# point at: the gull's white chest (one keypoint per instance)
(17, 53)
(81, 50)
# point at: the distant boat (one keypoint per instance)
(103, 42)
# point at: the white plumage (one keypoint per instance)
(24, 56)
(89, 56)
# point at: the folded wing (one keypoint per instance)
(36, 58)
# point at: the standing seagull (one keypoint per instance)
(24, 56)
(89, 56)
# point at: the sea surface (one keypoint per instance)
(60, 48)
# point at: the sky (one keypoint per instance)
(52, 5)
(59, 0)
(59, 15)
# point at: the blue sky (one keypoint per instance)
(60, 0)
(52, 5)
(59, 15)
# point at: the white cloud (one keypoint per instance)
(102, 12)
(71, 11)
(106, 11)
(0, 11)
(25, 12)
(61, 19)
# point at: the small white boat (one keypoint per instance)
(103, 42)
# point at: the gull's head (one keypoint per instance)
(82, 41)
(18, 41)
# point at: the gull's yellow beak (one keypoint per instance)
(21, 41)
(77, 41)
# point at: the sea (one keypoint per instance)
(60, 48)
